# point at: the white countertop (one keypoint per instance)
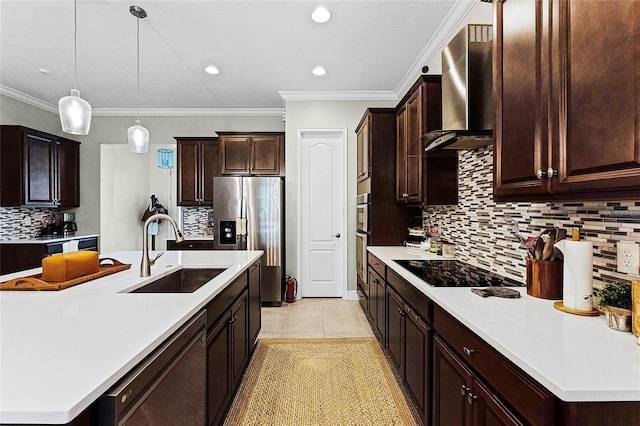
(47, 240)
(577, 358)
(61, 350)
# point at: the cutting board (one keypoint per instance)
(35, 283)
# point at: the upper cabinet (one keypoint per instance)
(197, 165)
(38, 169)
(364, 149)
(423, 178)
(565, 125)
(251, 154)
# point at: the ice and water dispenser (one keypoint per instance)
(227, 232)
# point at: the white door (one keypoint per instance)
(322, 209)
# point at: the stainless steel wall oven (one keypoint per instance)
(362, 239)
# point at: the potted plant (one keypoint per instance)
(614, 299)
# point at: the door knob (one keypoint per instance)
(338, 235)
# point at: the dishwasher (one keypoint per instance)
(166, 388)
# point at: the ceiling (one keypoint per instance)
(265, 50)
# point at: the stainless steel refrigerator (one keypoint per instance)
(249, 215)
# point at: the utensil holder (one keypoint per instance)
(544, 279)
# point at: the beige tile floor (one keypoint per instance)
(315, 318)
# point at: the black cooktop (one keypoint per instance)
(454, 273)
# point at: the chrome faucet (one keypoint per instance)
(145, 264)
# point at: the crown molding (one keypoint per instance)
(188, 112)
(447, 29)
(27, 99)
(149, 112)
(338, 96)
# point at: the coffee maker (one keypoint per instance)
(65, 223)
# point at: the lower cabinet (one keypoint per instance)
(376, 305)
(233, 320)
(255, 303)
(462, 365)
(460, 398)
(409, 348)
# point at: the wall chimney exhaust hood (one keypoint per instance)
(467, 98)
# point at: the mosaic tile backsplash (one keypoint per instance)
(13, 222)
(194, 220)
(482, 239)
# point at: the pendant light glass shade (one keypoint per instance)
(75, 112)
(138, 139)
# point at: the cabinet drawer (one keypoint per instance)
(218, 306)
(528, 398)
(420, 303)
(190, 245)
(377, 264)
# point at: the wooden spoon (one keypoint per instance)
(537, 252)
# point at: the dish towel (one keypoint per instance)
(69, 247)
(153, 228)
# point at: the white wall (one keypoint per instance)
(323, 114)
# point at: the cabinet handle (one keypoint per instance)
(401, 312)
(405, 195)
(464, 390)
(375, 280)
(549, 173)
(470, 398)
(468, 351)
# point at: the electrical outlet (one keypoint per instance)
(628, 257)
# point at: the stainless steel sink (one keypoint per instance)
(183, 281)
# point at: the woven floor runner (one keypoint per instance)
(319, 382)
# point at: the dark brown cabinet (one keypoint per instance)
(255, 154)
(23, 256)
(38, 169)
(255, 304)
(460, 398)
(463, 359)
(565, 127)
(409, 339)
(197, 165)
(364, 148)
(227, 353)
(423, 178)
(234, 320)
(377, 287)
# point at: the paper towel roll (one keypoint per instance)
(577, 274)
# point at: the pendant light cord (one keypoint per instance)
(75, 42)
(138, 71)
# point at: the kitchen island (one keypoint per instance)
(62, 350)
(588, 367)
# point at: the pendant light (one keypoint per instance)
(137, 135)
(75, 112)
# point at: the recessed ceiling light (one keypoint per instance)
(319, 71)
(43, 70)
(212, 70)
(321, 15)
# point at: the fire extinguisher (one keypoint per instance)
(291, 289)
